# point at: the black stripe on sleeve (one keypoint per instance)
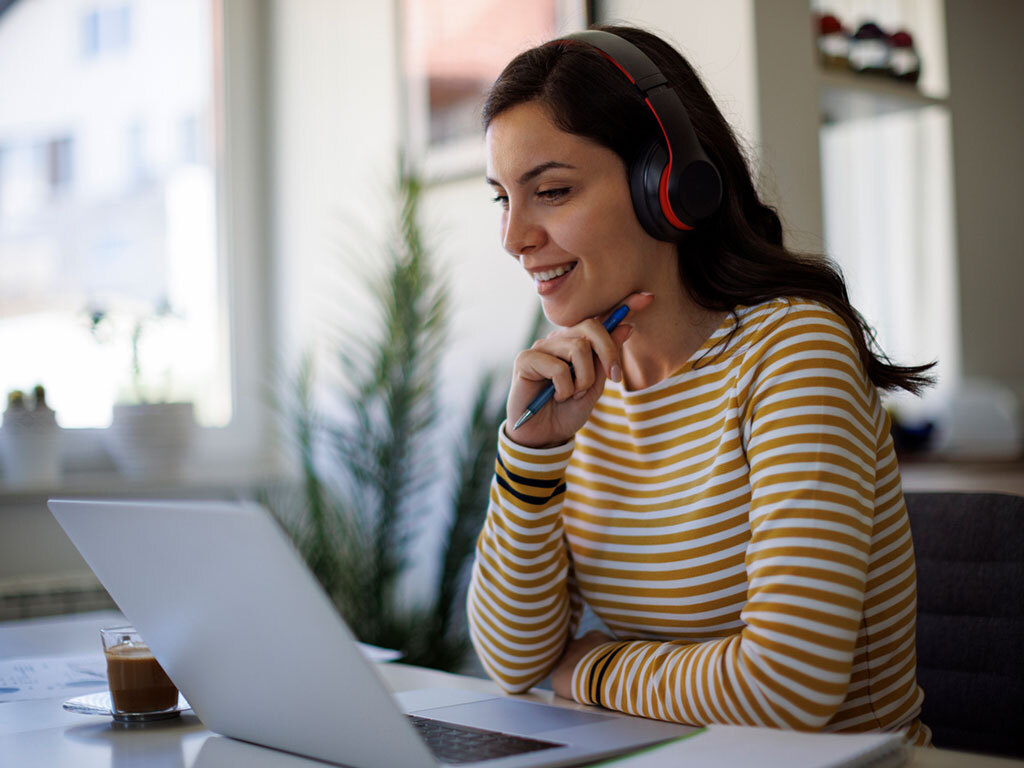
(534, 500)
(531, 481)
(604, 662)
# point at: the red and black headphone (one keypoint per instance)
(673, 184)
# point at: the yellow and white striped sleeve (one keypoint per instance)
(809, 434)
(522, 603)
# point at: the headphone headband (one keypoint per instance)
(673, 186)
(630, 60)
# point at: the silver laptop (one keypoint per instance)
(255, 645)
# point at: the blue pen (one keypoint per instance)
(540, 400)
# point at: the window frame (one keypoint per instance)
(243, 452)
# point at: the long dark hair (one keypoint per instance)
(736, 257)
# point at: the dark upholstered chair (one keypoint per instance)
(970, 621)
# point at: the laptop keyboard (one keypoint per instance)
(460, 744)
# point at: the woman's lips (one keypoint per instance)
(551, 279)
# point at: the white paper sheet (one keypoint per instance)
(44, 677)
(729, 746)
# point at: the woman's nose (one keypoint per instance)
(523, 234)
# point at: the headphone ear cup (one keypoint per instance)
(644, 181)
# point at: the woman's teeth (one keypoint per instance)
(551, 274)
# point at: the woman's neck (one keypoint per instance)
(665, 335)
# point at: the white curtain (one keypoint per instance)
(888, 210)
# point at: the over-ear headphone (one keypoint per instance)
(673, 184)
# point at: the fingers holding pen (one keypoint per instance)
(574, 363)
(566, 364)
(575, 359)
(567, 361)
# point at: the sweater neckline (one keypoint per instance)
(710, 343)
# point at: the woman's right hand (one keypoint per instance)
(594, 354)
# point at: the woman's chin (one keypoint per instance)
(564, 315)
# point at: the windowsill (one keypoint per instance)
(229, 483)
(221, 462)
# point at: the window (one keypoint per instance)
(452, 50)
(105, 30)
(108, 224)
(58, 159)
(91, 33)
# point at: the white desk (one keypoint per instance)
(40, 734)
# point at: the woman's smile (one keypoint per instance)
(550, 279)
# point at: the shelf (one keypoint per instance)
(848, 96)
(977, 477)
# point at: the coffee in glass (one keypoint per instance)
(137, 681)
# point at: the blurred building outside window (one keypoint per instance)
(106, 29)
(108, 204)
(59, 168)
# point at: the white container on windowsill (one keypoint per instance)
(30, 448)
(151, 440)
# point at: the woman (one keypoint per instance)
(715, 476)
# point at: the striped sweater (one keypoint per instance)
(740, 528)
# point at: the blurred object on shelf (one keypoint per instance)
(869, 50)
(983, 421)
(910, 437)
(833, 43)
(904, 63)
(30, 441)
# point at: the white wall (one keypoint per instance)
(718, 39)
(987, 107)
(334, 134)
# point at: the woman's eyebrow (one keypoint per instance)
(534, 172)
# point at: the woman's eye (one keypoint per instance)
(501, 200)
(552, 195)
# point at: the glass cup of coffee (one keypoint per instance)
(138, 684)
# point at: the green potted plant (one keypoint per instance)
(370, 470)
